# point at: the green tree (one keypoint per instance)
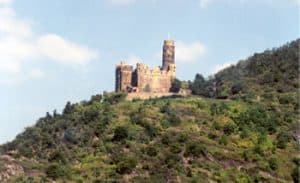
(68, 108)
(199, 85)
(176, 86)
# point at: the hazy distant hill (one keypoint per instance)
(250, 137)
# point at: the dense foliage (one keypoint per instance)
(264, 74)
(251, 138)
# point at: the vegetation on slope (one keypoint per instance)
(250, 138)
(263, 75)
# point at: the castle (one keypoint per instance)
(144, 79)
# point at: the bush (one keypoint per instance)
(57, 156)
(114, 98)
(175, 148)
(26, 151)
(174, 119)
(257, 118)
(70, 136)
(172, 160)
(165, 139)
(151, 151)
(229, 128)
(195, 149)
(151, 130)
(223, 140)
(126, 165)
(282, 139)
(212, 136)
(273, 163)
(216, 125)
(287, 99)
(245, 132)
(120, 133)
(55, 171)
(295, 174)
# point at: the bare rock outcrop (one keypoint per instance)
(9, 168)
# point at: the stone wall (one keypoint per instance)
(144, 79)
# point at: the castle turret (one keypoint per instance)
(123, 77)
(168, 54)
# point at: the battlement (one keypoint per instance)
(169, 42)
(144, 79)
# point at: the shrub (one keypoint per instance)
(126, 165)
(151, 130)
(70, 136)
(223, 140)
(114, 98)
(172, 160)
(151, 151)
(175, 148)
(229, 128)
(216, 125)
(212, 136)
(282, 139)
(245, 132)
(295, 174)
(195, 149)
(57, 156)
(120, 133)
(55, 171)
(273, 163)
(165, 139)
(174, 119)
(26, 151)
(287, 99)
(165, 123)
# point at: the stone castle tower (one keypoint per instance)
(144, 79)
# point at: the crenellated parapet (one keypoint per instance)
(145, 79)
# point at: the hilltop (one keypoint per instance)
(239, 126)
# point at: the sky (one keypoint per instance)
(56, 51)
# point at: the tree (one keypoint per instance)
(176, 86)
(237, 88)
(96, 98)
(199, 85)
(68, 108)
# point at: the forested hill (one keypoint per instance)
(273, 71)
(251, 136)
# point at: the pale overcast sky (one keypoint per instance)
(56, 51)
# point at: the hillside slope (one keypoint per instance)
(249, 138)
(271, 72)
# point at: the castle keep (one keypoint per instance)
(144, 79)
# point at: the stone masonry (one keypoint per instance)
(144, 79)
